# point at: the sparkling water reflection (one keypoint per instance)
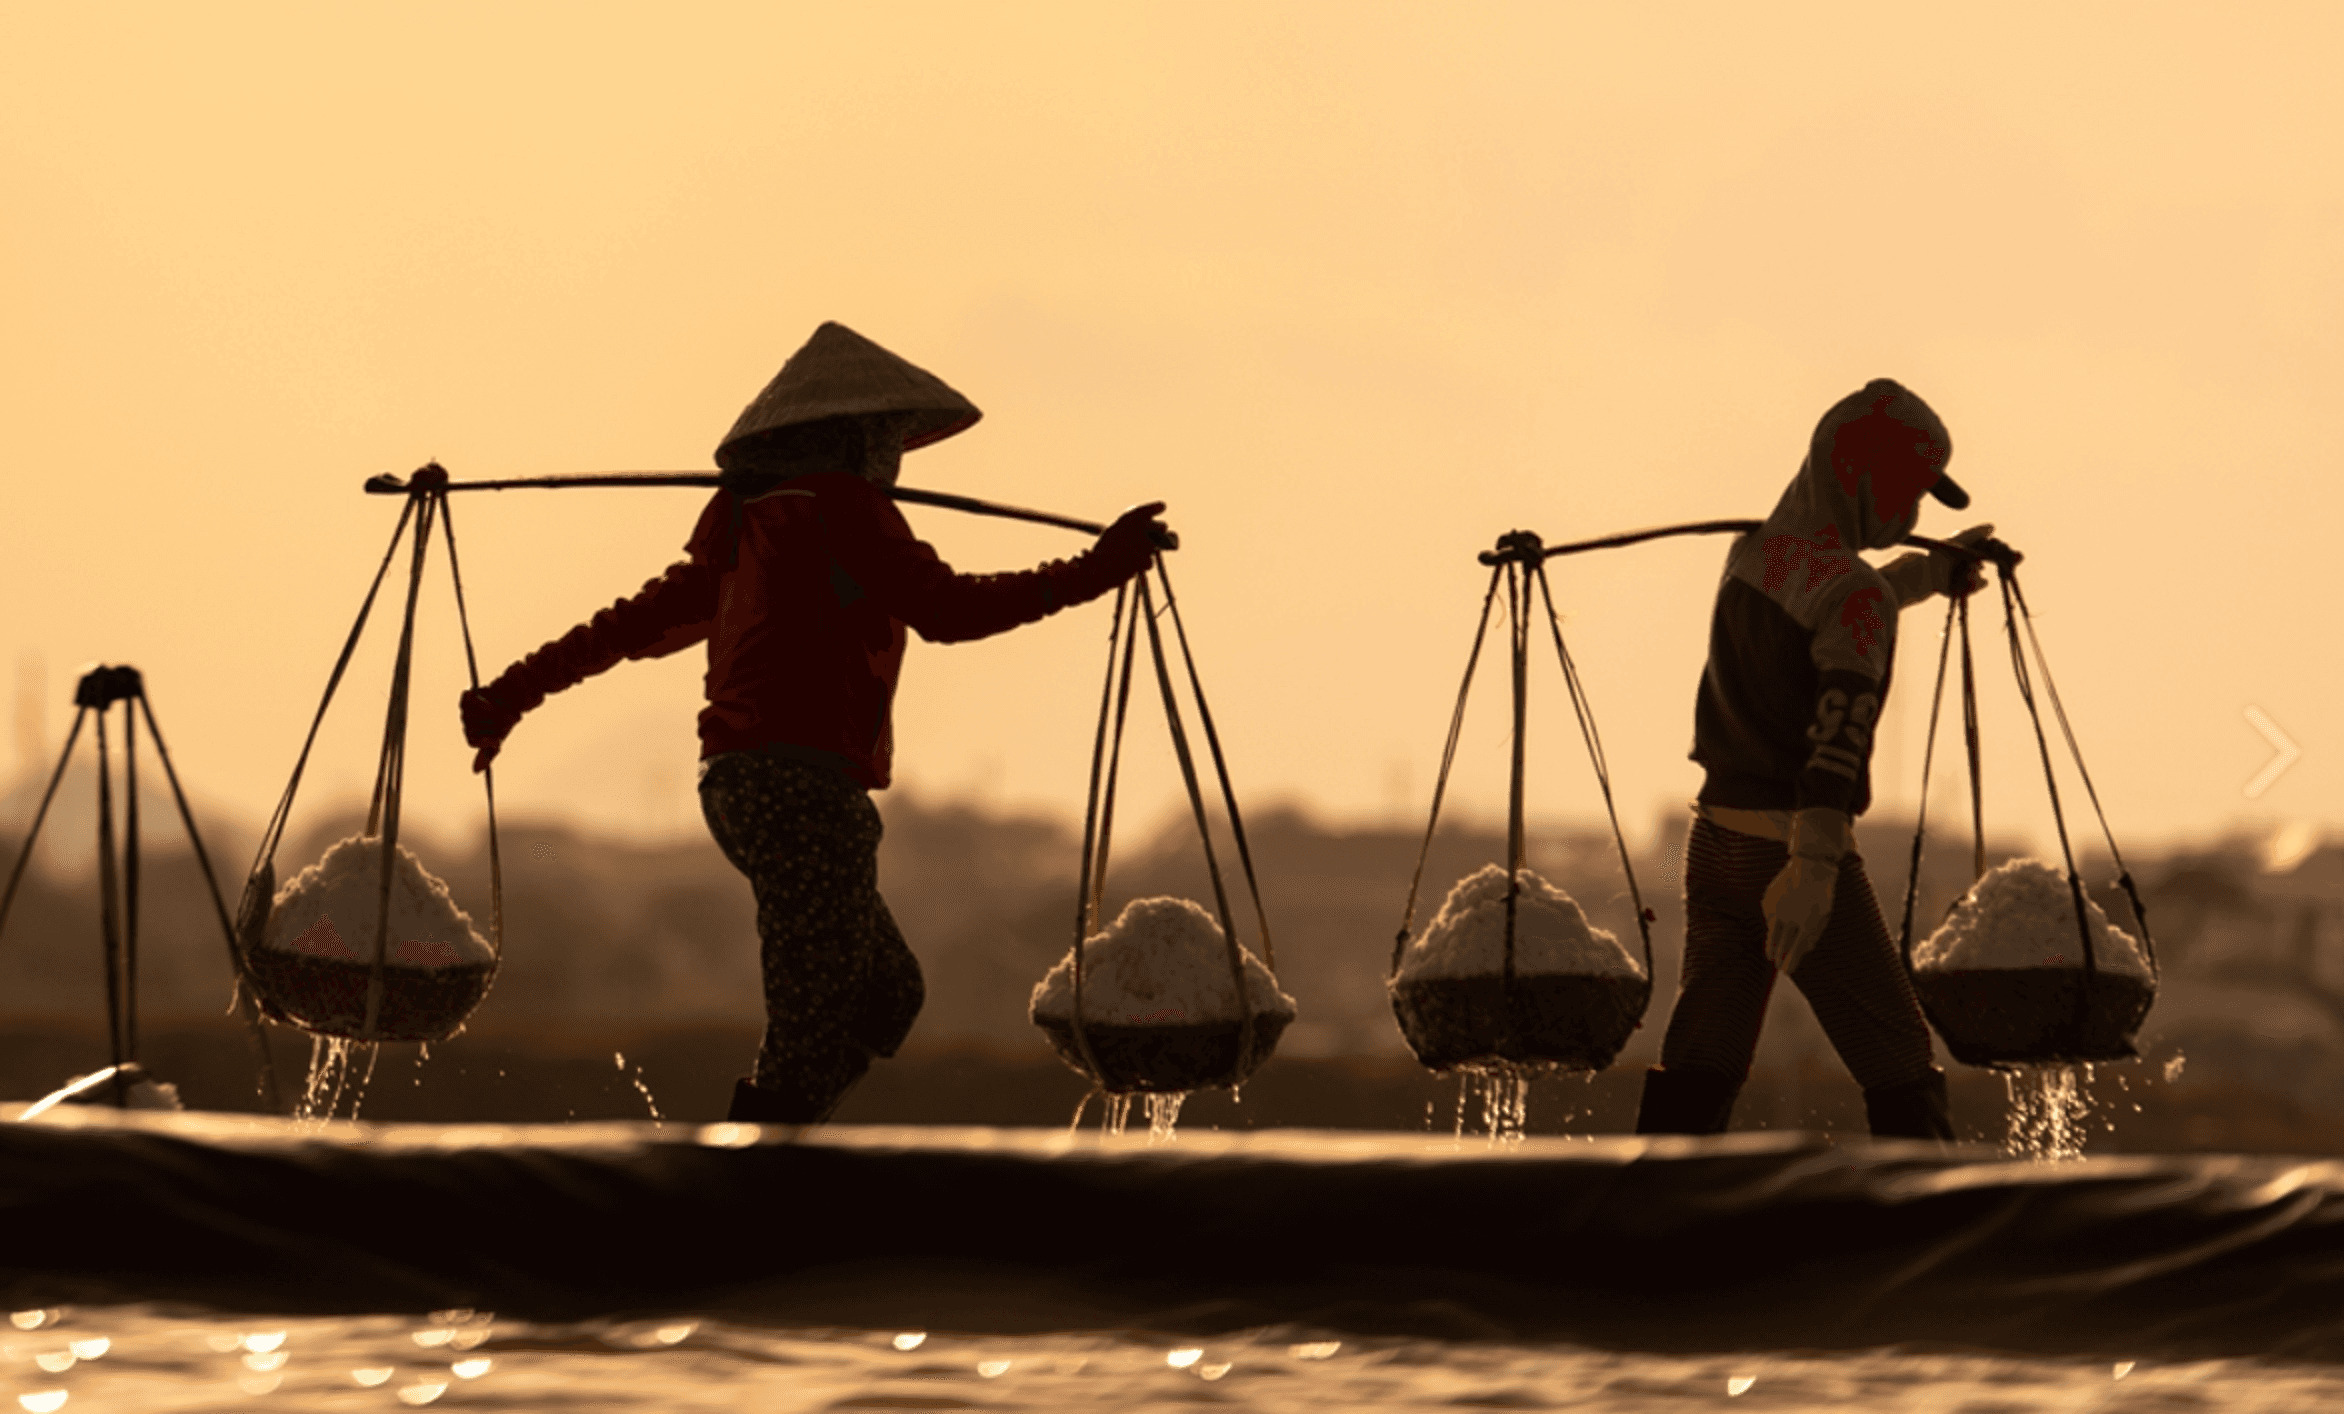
(148, 1359)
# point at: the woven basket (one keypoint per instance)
(2010, 1016)
(327, 995)
(1566, 1021)
(1165, 1059)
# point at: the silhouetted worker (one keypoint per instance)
(1800, 646)
(802, 577)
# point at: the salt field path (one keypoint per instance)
(1777, 1241)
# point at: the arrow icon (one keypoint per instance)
(2277, 765)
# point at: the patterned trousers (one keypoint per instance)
(841, 986)
(1852, 977)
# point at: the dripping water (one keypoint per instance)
(1573, 1112)
(331, 1061)
(1164, 1115)
(1501, 1093)
(619, 1058)
(2050, 1111)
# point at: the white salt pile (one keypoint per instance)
(328, 910)
(1551, 934)
(2023, 915)
(1164, 962)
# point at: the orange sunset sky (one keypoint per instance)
(1354, 287)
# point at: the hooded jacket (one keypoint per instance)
(1803, 635)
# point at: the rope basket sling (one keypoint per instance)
(374, 996)
(118, 910)
(1998, 1016)
(1122, 1056)
(1540, 1019)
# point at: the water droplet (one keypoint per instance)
(2050, 1112)
(1315, 1349)
(372, 1376)
(2120, 1369)
(90, 1349)
(1182, 1359)
(262, 1342)
(648, 1102)
(1164, 1116)
(56, 1362)
(27, 1320)
(1739, 1385)
(472, 1369)
(992, 1369)
(221, 1342)
(42, 1401)
(676, 1334)
(260, 1384)
(910, 1340)
(619, 1058)
(264, 1363)
(330, 1075)
(434, 1338)
(1213, 1372)
(423, 1392)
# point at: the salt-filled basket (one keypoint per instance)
(316, 956)
(1575, 997)
(1159, 1007)
(2003, 978)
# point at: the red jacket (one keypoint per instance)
(802, 595)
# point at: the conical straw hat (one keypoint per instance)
(839, 373)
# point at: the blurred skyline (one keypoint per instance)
(1354, 289)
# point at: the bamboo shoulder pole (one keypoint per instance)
(388, 485)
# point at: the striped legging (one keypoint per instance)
(1852, 977)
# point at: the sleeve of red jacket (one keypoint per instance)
(907, 578)
(667, 615)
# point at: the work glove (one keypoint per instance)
(1797, 904)
(490, 714)
(1916, 576)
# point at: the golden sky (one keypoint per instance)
(1354, 287)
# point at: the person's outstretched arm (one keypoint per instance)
(668, 615)
(1917, 576)
(905, 577)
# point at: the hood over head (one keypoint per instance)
(1873, 455)
(839, 373)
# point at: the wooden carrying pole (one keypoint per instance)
(388, 485)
